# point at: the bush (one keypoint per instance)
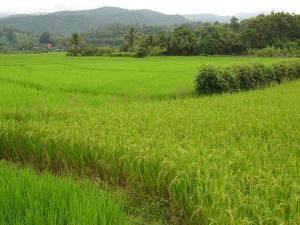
(157, 51)
(141, 53)
(243, 77)
(90, 51)
(275, 52)
(122, 54)
(73, 52)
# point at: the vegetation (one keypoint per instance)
(275, 52)
(215, 39)
(233, 38)
(229, 159)
(31, 199)
(75, 42)
(12, 39)
(244, 77)
(131, 38)
(113, 35)
(277, 30)
(45, 38)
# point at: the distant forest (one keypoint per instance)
(277, 30)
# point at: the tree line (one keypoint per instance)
(279, 30)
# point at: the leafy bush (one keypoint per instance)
(90, 51)
(275, 52)
(243, 77)
(157, 51)
(122, 54)
(141, 53)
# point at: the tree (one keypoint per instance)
(209, 46)
(45, 38)
(264, 31)
(11, 37)
(147, 42)
(234, 24)
(184, 42)
(131, 37)
(164, 40)
(75, 42)
(3, 46)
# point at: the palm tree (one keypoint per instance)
(75, 40)
(131, 37)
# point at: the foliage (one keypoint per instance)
(15, 40)
(243, 77)
(45, 38)
(91, 51)
(183, 42)
(275, 52)
(268, 30)
(278, 30)
(75, 42)
(234, 24)
(131, 38)
(113, 35)
(141, 53)
(122, 54)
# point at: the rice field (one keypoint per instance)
(28, 198)
(136, 124)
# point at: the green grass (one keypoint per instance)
(30, 199)
(102, 79)
(226, 159)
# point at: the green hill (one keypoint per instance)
(66, 22)
(211, 18)
(13, 39)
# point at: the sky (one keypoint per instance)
(221, 7)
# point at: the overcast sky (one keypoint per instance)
(222, 7)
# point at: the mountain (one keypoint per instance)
(67, 22)
(210, 18)
(3, 15)
(243, 16)
(207, 18)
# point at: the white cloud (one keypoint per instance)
(222, 7)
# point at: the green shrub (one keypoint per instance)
(141, 53)
(157, 51)
(90, 51)
(276, 52)
(122, 54)
(243, 77)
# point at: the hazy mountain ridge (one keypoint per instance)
(66, 22)
(210, 17)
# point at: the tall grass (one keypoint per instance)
(30, 199)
